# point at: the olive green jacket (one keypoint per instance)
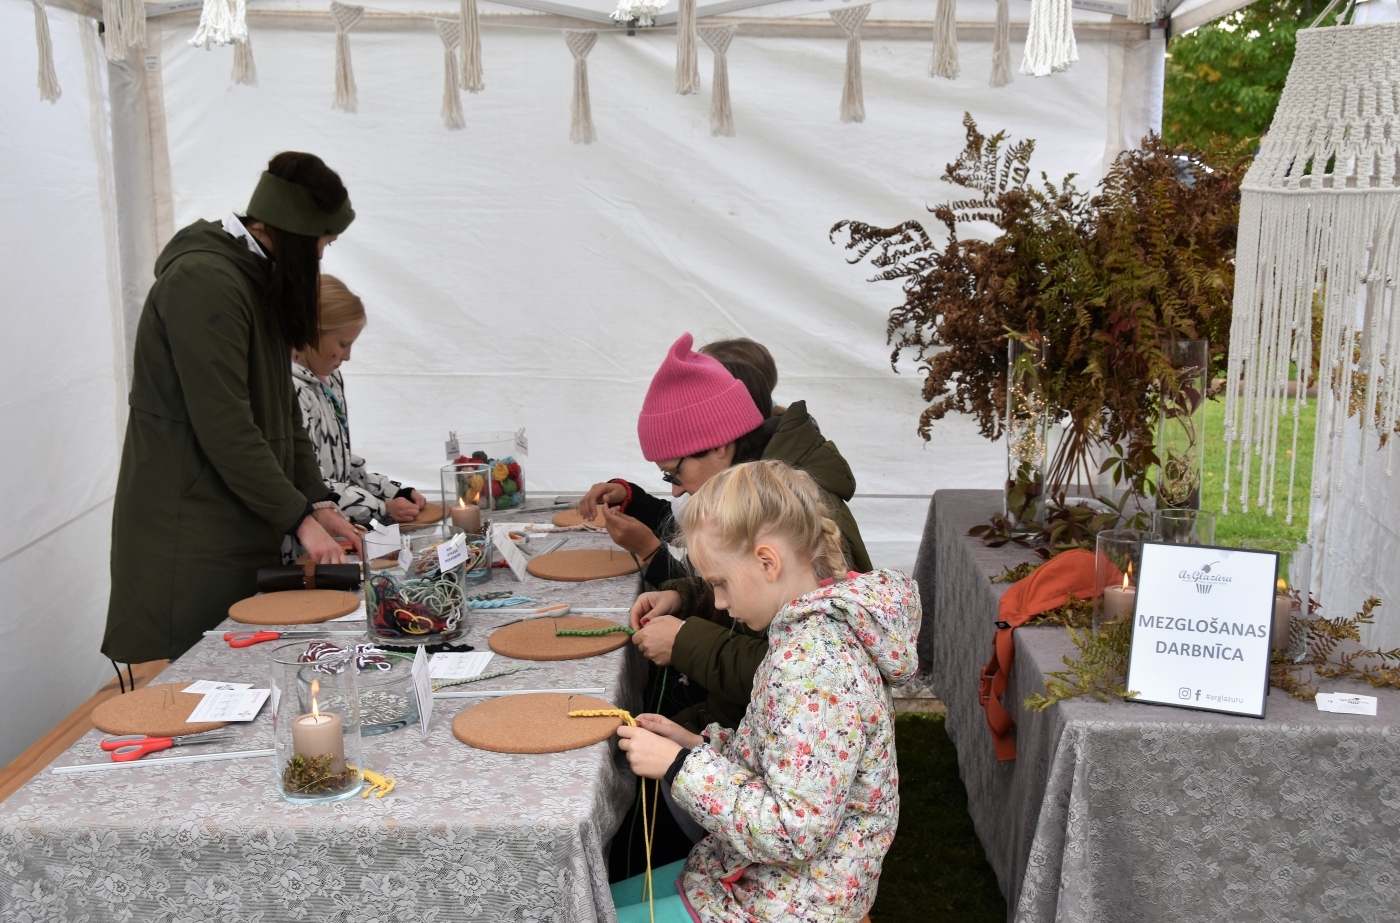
(721, 654)
(216, 466)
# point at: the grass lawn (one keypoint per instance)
(1237, 525)
(936, 869)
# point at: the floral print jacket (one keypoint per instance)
(802, 800)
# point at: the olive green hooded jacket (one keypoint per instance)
(216, 466)
(721, 654)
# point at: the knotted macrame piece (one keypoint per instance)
(852, 94)
(124, 27)
(49, 90)
(345, 17)
(1001, 46)
(718, 38)
(944, 61)
(221, 22)
(1050, 46)
(687, 56)
(581, 42)
(134, 23)
(450, 31)
(473, 80)
(1320, 222)
(245, 70)
(1143, 11)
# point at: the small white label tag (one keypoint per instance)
(522, 445)
(451, 554)
(423, 686)
(454, 450)
(206, 686)
(1345, 703)
(381, 540)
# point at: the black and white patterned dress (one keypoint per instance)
(363, 493)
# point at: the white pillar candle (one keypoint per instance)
(1118, 602)
(467, 518)
(317, 735)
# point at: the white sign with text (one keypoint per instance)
(1201, 628)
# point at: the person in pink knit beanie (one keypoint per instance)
(696, 421)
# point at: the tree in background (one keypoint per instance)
(1224, 79)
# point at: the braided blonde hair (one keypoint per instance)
(748, 501)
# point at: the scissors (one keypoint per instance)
(249, 638)
(134, 746)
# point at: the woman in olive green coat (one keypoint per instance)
(216, 467)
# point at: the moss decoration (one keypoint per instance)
(302, 776)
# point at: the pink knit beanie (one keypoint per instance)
(692, 406)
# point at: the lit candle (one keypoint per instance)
(319, 734)
(1118, 601)
(466, 517)
(1283, 611)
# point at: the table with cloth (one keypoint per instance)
(1116, 812)
(466, 834)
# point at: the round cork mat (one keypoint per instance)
(294, 607)
(534, 723)
(534, 639)
(570, 518)
(583, 564)
(429, 515)
(156, 711)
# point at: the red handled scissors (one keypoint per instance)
(134, 746)
(249, 638)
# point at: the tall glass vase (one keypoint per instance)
(1181, 429)
(1025, 425)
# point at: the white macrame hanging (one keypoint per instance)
(123, 27)
(944, 60)
(1050, 45)
(472, 77)
(345, 17)
(1144, 10)
(221, 22)
(134, 23)
(581, 42)
(687, 56)
(718, 38)
(1001, 46)
(245, 70)
(852, 94)
(450, 31)
(1319, 222)
(49, 90)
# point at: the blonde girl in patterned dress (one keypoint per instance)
(801, 801)
(321, 393)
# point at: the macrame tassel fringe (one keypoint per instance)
(49, 90)
(345, 17)
(245, 71)
(134, 23)
(944, 62)
(1142, 11)
(112, 30)
(1001, 47)
(581, 42)
(450, 31)
(1050, 46)
(472, 77)
(687, 56)
(852, 94)
(221, 22)
(721, 113)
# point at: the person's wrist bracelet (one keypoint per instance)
(627, 500)
(324, 505)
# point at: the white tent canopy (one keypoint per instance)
(512, 278)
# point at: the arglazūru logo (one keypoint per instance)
(1203, 577)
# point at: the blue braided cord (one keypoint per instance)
(500, 603)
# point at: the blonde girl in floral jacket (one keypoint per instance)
(802, 800)
(321, 393)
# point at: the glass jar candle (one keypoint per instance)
(316, 721)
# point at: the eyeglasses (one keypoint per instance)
(673, 476)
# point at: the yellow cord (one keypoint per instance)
(648, 826)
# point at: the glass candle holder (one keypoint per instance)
(387, 697)
(1292, 605)
(1025, 426)
(1117, 559)
(506, 484)
(411, 600)
(466, 496)
(1184, 527)
(1181, 427)
(316, 721)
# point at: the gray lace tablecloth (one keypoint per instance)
(466, 835)
(1120, 812)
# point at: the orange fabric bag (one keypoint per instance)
(1070, 573)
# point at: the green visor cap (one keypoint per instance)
(290, 207)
